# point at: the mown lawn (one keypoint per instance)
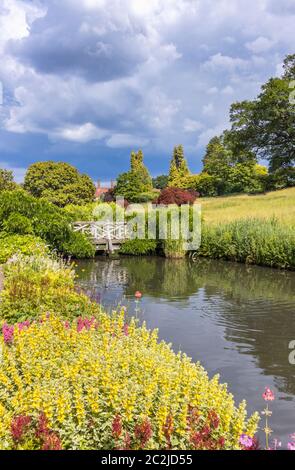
(278, 204)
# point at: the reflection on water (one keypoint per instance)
(236, 320)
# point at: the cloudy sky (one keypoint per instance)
(86, 81)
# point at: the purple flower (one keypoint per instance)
(246, 441)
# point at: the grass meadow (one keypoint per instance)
(279, 205)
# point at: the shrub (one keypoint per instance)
(48, 222)
(79, 245)
(80, 213)
(252, 241)
(139, 247)
(17, 223)
(101, 383)
(24, 244)
(37, 284)
(173, 249)
(177, 196)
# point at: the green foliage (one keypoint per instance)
(18, 223)
(59, 183)
(160, 182)
(280, 179)
(251, 241)
(80, 213)
(6, 180)
(139, 247)
(138, 168)
(178, 168)
(173, 249)
(206, 185)
(78, 245)
(48, 222)
(218, 159)
(266, 125)
(136, 182)
(230, 172)
(23, 244)
(148, 196)
(39, 284)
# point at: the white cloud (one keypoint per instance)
(261, 44)
(224, 62)
(135, 73)
(126, 140)
(212, 91)
(84, 133)
(190, 125)
(208, 134)
(228, 90)
(208, 109)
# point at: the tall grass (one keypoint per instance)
(251, 241)
(278, 204)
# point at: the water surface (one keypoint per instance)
(236, 320)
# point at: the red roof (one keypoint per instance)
(100, 191)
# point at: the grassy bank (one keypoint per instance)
(251, 229)
(82, 379)
(278, 204)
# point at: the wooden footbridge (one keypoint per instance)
(106, 236)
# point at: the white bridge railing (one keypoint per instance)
(100, 231)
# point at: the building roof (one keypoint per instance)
(100, 191)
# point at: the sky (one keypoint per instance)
(87, 81)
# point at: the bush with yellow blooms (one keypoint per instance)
(104, 382)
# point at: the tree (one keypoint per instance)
(139, 170)
(136, 182)
(233, 170)
(160, 182)
(177, 196)
(60, 183)
(6, 180)
(266, 125)
(178, 168)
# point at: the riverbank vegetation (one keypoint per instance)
(88, 380)
(246, 222)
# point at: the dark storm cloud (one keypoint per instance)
(74, 42)
(92, 79)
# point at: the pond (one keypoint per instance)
(236, 320)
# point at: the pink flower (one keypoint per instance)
(117, 427)
(143, 432)
(85, 323)
(268, 395)
(126, 330)
(246, 441)
(22, 326)
(8, 332)
(291, 445)
(19, 426)
(138, 295)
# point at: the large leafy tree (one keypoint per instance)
(234, 170)
(266, 125)
(160, 182)
(60, 183)
(6, 180)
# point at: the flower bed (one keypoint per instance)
(103, 383)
